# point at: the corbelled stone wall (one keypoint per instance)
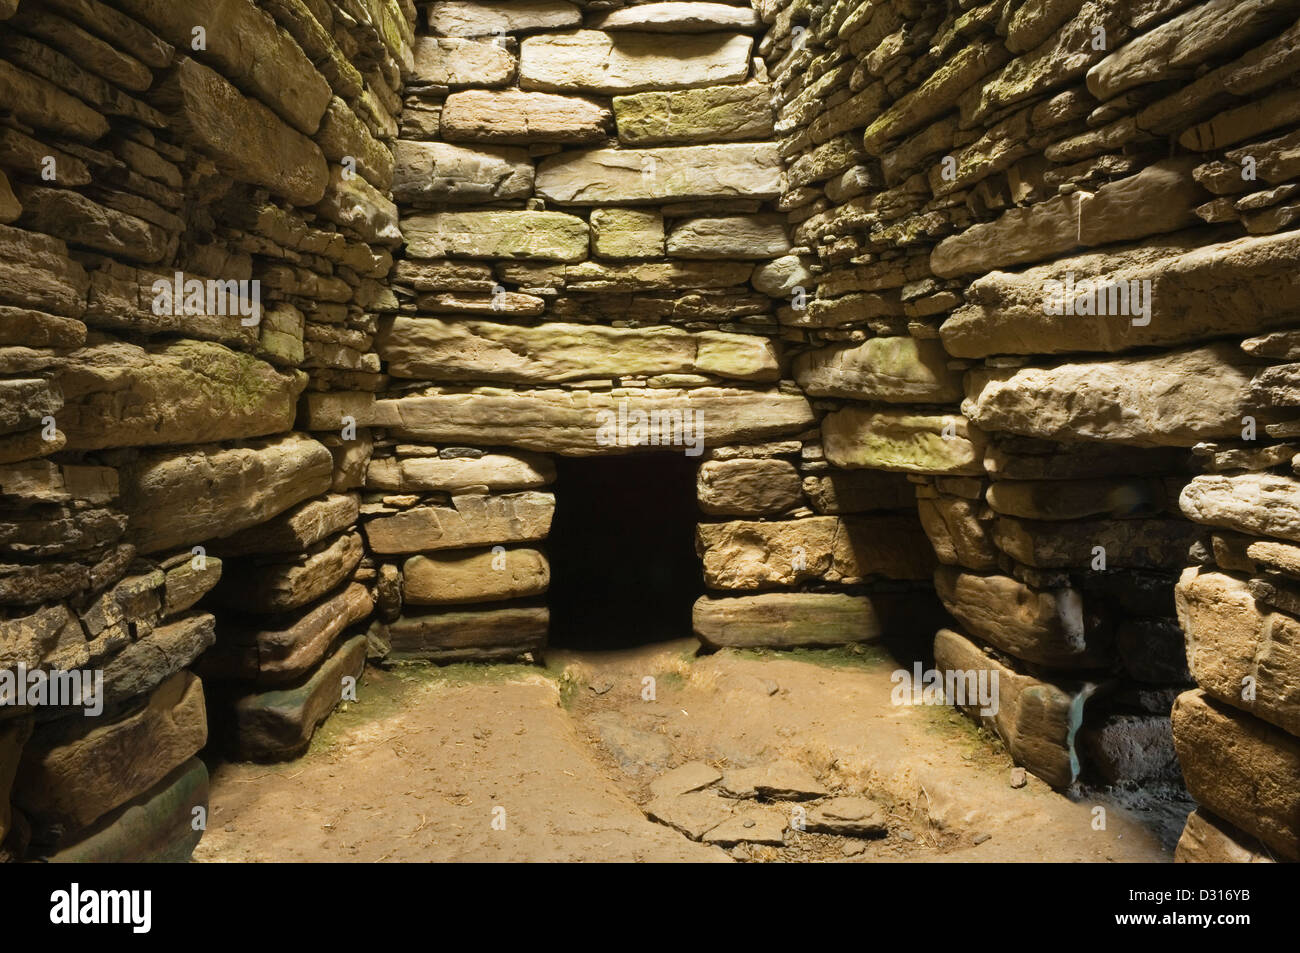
(992, 302)
(148, 149)
(1053, 281)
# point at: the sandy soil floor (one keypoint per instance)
(512, 763)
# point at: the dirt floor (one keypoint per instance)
(517, 763)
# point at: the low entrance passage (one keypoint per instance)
(622, 551)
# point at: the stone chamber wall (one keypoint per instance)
(485, 231)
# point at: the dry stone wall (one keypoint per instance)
(195, 229)
(592, 255)
(1054, 276)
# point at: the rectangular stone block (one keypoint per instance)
(515, 116)
(745, 487)
(731, 236)
(1035, 719)
(786, 620)
(520, 235)
(464, 18)
(893, 440)
(485, 635)
(1243, 769)
(428, 172)
(459, 350)
(488, 575)
(897, 370)
(456, 61)
(470, 520)
(176, 498)
(621, 233)
(711, 114)
(592, 61)
(496, 471)
(670, 173)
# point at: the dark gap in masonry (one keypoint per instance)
(622, 550)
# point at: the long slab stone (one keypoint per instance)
(1239, 651)
(896, 370)
(677, 17)
(120, 395)
(155, 828)
(278, 650)
(517, 116)
(480, 576)
(496, 471)
(1251, 280)
(786, 620)
(1046, 627)
(1177, 399)
(1158, 544)
(1243, 769)
(262, 584)
(1036, 720)
(747, 555)
(456, 351)
(464, 18)
(296, 528)
(74, 771)
(470, 520)
(1261, 504)
(483, 635)
(677, 173)
(586, 423)
(596, 62)
(457, 61)
(517, 235)
(278, 725)
(710, 114)
(441, 172)
(899, 441)
(176, 498)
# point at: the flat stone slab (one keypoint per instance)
(847, 817)
(781, 781)
(710, 114)
(693, 814)
(669, 173)
(785, 619)
(517, 116)
(509, 234)
(692, 776)
(677, 17)
(471, 520)
(467, 635)
(750, 827)
(596, 62)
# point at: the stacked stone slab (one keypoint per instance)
(590, 235)
(146, 144)
(960, 173)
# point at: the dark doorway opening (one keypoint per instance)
(622, 551)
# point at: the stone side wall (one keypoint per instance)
(964, 174)
(225, 141)
(591, 235)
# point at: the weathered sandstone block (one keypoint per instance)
(786, 619)
(1243, 769)
(496, 471)
(1175, 399)
(428, 172)
(959, 531)
(295, 529)
(1035, 719)
(890, 369)
(1125, 544)
(434, 350)
(1262, 504)
(464, 18)
(677, 18)
(472, 635)
(856, 491)
(156, 827)
(591, 61)
(544, 236)
(679, 173)
(1045, 627)
(732, 236)
(455, 61)
(747, 487)
(583, 423)
(511, 115)
(1238, 651)
(265, 585)
(626, 233)
(1210, 840)
(120, 395)
(179, 498)
(471, 520)
(483, 576)
(711, 114)
(911, 443)
(76, 770)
